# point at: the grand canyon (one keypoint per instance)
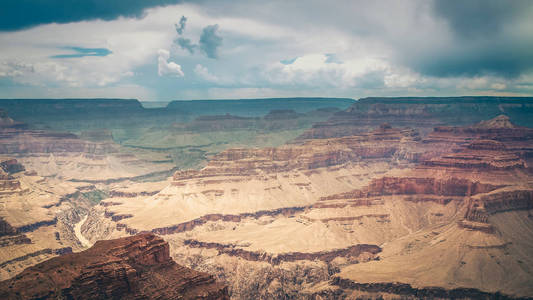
(374, 198)
(247, 149)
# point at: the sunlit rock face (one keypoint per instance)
(128, 268)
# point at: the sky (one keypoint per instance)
(160, 50)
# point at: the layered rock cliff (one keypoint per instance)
(381, 143)
(8, 183)
(15, 141)
(421, 113)
(137, 267)
(245, 182)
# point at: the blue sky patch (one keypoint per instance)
(288, 61)
(82, 52)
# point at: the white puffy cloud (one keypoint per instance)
(318, 70)
(203, 72)
(165, 67)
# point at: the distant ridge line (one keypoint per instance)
(460, 99)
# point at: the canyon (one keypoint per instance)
(387, 198)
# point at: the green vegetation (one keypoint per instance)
(94, 196)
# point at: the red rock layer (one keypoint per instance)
(137, 267)
(470, 164)
(441, 190)
(406, 291)
(382, 143)
(9, 184)
(516, 139)
(421, 113)
(190, 225)
(6, 241)
(35, 141)
(481, 208)
(361, 252)
(432, 186)
(11, 165)
(48, 251)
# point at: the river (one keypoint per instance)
(77, 231)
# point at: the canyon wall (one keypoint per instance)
(421, 113)
(128, 268)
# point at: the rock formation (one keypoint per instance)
(128, 268)
(421, 113)
(5, 120)
(244, 181)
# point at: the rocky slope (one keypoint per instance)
(35, 217)
(137, 267)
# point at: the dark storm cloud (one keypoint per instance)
(181, 26)
(208, 44)
(498, 58)
(186, 44)
(488, 38)
(473, 18)
(21, 14)
(462, 37)
(371, 80)
(210, 41)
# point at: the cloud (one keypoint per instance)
(332, 58)
(473, 18)
(314, 70)
(186, 44)
(210, 41)
(354, 49)
(203, 72)
(167, 68)
(22, 14)
(503, 58)
(181, 26)
(479, 37)
(57, 73)
(15, 68)
(82, 52)
(128, 91)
